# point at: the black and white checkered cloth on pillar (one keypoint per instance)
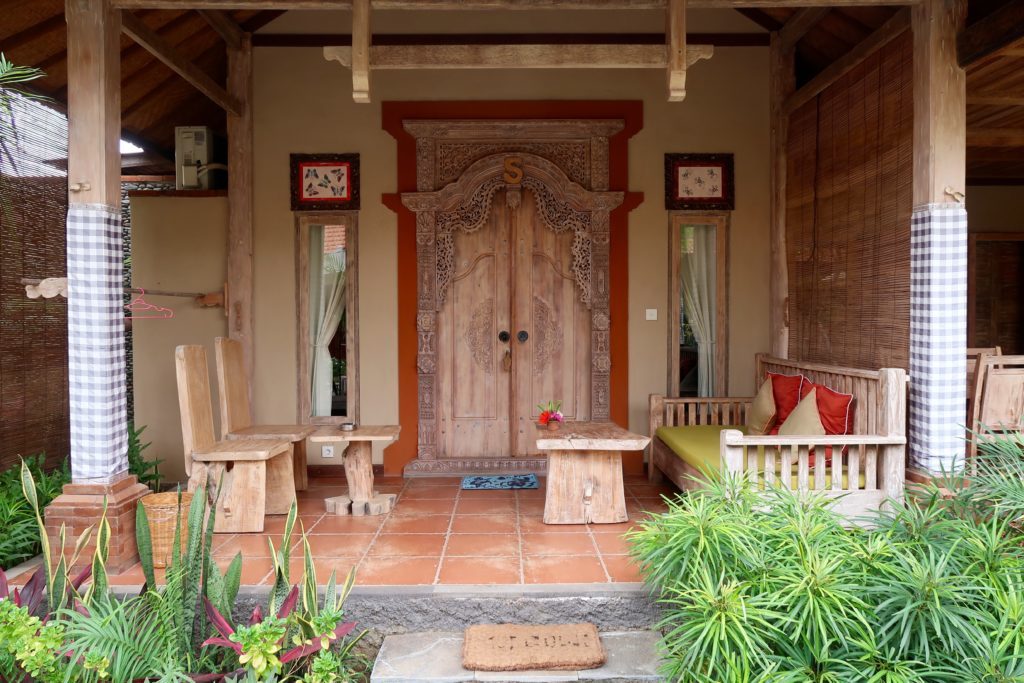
(96, 363)
(938, 336)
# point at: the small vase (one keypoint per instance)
(554, 426)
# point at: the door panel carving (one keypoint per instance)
(528, 255)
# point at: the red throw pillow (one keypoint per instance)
(835, 408)
(787, 391)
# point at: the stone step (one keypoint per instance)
(436, 657)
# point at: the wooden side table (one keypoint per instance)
(361, 498)
(585, 472)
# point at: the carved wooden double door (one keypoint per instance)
(512, 332)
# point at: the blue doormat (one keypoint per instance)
(500, 482)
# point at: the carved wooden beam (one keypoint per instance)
(132, 26)
(411, 57)
(224, 26)
(799, 24)
(361, 50)
(487, 4)
(675, 34)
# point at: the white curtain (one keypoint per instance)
(697, 269)
(327, 306)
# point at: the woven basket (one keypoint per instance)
(162, 514)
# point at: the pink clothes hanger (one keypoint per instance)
(140, 308)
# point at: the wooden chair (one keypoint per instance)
(236, 411)
(998, 401)
(255, 475)
(972, 375)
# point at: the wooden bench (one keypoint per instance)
(868, 465)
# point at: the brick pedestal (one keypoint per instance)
(80, 506)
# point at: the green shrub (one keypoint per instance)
(19, 538)
(772, 586)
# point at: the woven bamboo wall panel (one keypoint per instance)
(848, 205)
(33, 333)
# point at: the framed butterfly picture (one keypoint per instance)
(325, 182)
(699, 181)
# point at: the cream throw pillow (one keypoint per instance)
(761, 415)
(805, 419)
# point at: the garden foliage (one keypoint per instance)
(60, 628)
(770, 586)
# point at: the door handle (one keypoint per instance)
(504, 336)
(522, 336)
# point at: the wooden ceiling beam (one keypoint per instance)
(990, 34)
(345, 39)
(799, 24)
(411, 57)
(887, 32)
(759, 17)
(995, 137)
(51, 25)
(225, 27)
(485, 4)
(996, 100)
(163, 51)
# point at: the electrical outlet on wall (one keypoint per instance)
(651, 314)
(327, 452)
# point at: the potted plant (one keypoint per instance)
(551, 415)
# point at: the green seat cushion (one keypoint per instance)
(699, 446)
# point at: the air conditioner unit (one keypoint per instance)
(198, 159)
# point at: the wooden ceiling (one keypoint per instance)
(154, 99)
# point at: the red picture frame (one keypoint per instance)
(324, 182)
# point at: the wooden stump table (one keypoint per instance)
(361, 498)
(585, 472)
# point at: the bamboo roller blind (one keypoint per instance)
(33, 333)
(848, 206)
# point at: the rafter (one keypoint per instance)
(992, 33)
(485, 4)
(163, 51)
(997, 100)
(899, 23)
(799, 24)
(225, 27)
(995, 137)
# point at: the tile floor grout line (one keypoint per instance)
(447, 537)
(380, 529)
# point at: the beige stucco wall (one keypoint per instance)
(178, 244)
(304, 104)
(995, 208)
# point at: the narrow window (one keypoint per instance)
(328, 318)
(698, 296)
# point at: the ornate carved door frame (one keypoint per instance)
(461, 165)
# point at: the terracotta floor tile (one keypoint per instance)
(484, 506)
(428, 524)
(478, 570)
(406, 571)
(407, 545)
(427, 493)
(250, 545)
(346, 524)
(531, 507)
(483, 545)
(451, 482)
(619, 528)
(338, 545)
(322, 492)
(557, 544)
(423, 507)
(323, 567)
(254, 569)
(479, 494)
(310, 506)
(622, 568)
(484, 524)
(612, 544)
(563, 569)
(534, 523)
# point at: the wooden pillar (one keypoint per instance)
(938, 252)
(782, 81)
(240, 204)
(96, 354)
